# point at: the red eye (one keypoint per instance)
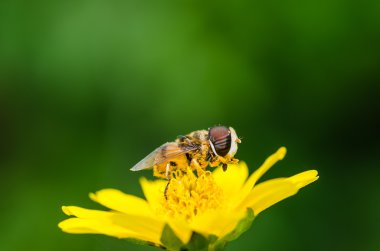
(220, 137)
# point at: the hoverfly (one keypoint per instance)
(197, 150)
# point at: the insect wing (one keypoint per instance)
(148, 161)
(162, 154)
(172, 150)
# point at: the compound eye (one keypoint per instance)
(220, 137)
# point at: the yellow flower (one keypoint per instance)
(208, 210)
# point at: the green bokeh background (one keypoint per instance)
(88, 88)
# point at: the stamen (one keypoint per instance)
(188, 195)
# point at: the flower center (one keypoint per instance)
(187, 194)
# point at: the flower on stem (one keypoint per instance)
(192, 212)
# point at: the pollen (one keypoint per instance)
(188, 194)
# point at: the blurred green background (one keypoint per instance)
(88, 88)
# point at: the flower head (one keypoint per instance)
(210, 209)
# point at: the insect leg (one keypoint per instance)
(234, 161)
(166, 190)
(224, 167)
(222, 159)
(167, 171)
(195, 166)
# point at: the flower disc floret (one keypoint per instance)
(188, 195)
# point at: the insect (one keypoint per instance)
(197, 150)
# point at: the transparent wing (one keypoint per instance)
(147, 162)
(162, 154)
(172, 150)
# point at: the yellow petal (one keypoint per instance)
(272, 191)
(93, 226)
(119, 201)
(148, 228)
(304, 178)
(268, 163)
(232, 180)
(154, 192)
(102, 226)
(181, 229)
(112, 223)
(218, 223)
(83, 212)
(251, 181)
